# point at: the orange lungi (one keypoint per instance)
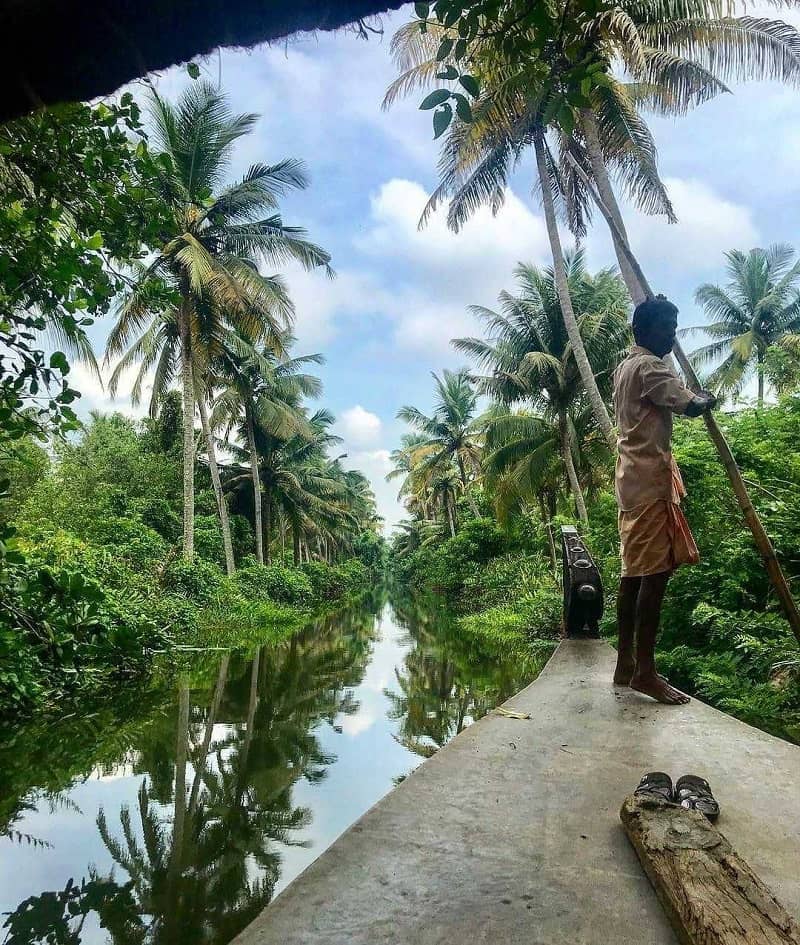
(656, 537)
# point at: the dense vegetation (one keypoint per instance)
(485, 540)
(119, 539)
(485, 491)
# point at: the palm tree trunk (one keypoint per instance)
(549, 529)
(296, 557)
(222, 506)
(606, 191)
(450, 517)
(267, 524)
(569, 464)
(251, 445)
(251, 725)
(760, 355)
(213, 709)
(188, 435)
(179, 798)
(761, 538)
(462, 470)
(567, 311)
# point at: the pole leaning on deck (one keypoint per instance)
(762, 540)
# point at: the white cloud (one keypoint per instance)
(708, 224)
(95, 395)
(323, 305)
(353, 725)
(691, 249)
(438, 273)
(359, 427)
(375, 464)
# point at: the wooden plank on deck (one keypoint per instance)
(710, 894)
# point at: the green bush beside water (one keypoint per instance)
(723, 638)
(502, 589)
(93, 583)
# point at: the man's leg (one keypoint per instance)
(626, 629)
(648, 617)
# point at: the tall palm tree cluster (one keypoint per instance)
(202, 313)
(538, 437)
(572, 82)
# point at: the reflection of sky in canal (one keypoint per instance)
(367, 757)
(408, 684)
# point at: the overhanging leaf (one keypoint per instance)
(441, 120)
(438, 97)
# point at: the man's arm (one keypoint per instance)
(662, 386)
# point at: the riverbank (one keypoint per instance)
(499, 591)
(77, 619)
(723, 637)
(94, 574)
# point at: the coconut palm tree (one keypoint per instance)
(759, 308)
(258, 388)
(292, 478)
(452, 434)
(205, 276)
(405, 460)
(530, 355)
(677, 57)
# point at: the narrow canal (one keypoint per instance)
(175, 813)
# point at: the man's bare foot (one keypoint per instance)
(623, 673)
(659, 689)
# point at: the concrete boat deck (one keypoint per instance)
(511, 833)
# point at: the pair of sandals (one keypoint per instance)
(689, 791)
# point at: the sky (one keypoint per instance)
(400, 293)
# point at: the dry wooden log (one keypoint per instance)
(710, 894)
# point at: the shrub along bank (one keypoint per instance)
(92, 581)
(723, 636)
(498, 582)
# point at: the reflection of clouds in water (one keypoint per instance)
(387, 652)
(354, 762)
(387, 655)
(354, 725)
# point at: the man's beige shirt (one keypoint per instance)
(647, 392)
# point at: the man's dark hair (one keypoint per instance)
(647, 313)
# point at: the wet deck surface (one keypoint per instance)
(511, 832)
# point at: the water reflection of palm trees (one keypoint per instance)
(200, 853)
(446, 680)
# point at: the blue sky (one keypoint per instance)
(400, 294)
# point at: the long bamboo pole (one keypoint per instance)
(762, 540)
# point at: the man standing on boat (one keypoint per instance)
(654, 535)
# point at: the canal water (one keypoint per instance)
(174, 813)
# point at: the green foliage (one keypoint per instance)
(723, 636)
(92, 579)
(446, 567)
(329, 581)
(59, 629)
(277, 582)
(76, 190)
(757, 312)
(197, 580)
